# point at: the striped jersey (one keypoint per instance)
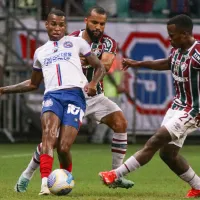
(105, 44)
(60, 63)
(185, 69)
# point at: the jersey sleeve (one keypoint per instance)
(110, 45)
(85, 48)
(196, 59)
(36, 63)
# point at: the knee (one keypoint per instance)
(167, 157)
(63, 148)
(120, 125)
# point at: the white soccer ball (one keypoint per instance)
(60, 182)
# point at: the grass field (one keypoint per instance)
(152, 182)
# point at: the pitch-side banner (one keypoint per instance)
(150, 92)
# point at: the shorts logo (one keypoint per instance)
(68, 44)
(47, 103)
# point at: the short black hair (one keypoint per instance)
(183, 22)
(56, 12)
(97, 9)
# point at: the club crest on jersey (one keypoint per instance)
(68, 44)
(47, 103)
(184, 66)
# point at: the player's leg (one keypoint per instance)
(66, 139)
(176, 125)
(50, 125)
(65, 160)
(140, 158)
(107, 112)
(71, 122)
(27, 174)
(170, 155)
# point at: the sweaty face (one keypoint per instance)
(56, 27)
(176, 37)
(95, 25)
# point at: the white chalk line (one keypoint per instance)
(16, 155)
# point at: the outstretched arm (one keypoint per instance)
(25, 86)
(160, 64)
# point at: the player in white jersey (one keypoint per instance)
(58, 63)
(99, 107)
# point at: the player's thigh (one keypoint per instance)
(101, 108)
(66, 138)
(179, 125)
(52, 104)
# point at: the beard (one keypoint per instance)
(93, 37)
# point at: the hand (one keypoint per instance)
(84, 61)
(126, 63)
(121, 89)
(91, 89)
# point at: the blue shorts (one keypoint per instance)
(68, 104)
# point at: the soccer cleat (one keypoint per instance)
(122, 183)
(108, 177)
(44, 190)
(193, 193)
(22, 184)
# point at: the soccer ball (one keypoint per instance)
(60, 182)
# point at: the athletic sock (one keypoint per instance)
(46, 163)
(69, 168)
(119, 147)
(131, 164)
(33, 164)
(191, 178)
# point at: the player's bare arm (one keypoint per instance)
(159, 64)
(100, 72)
(107, 60)
(25, 86)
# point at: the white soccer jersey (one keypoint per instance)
(60, 63)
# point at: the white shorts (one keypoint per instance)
(100, 106)
(179, 124)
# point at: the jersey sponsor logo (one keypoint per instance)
(57, 58)
(68, 44)
(196, 56)
(47, 103)
(180, 79)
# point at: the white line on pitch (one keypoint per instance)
(16, 155)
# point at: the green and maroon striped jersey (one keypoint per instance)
(185, 69)
(105, 44)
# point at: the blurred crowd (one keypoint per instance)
(134, 8)
(115, 8)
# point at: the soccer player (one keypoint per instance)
(99, 107)
(183, 116)
(58, 62)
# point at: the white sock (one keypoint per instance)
(131, 164)
(44, 181)
(119, 147)
(191, 178)
(34, 163)
(29, 171)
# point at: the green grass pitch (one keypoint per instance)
(152, 182)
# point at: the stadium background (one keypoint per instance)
(142, 37)
(140, 34)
